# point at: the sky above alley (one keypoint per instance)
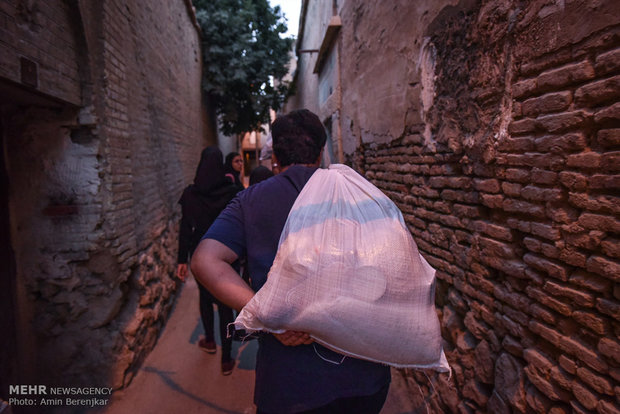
(290, 9)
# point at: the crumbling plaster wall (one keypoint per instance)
(387, 59)
(95, 180)
(316, 19)
(494, 126)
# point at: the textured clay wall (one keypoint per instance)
(41, 32)
(316, 18)
(94, 187)
(494, 126)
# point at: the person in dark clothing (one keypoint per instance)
(233, 167)
(293, 373)
(201, 203)
(260, 173)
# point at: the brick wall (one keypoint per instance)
(42, 33)
(153, 107)
(95, 179)
(500, 147)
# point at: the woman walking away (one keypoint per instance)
(201, 203)
(260, 173)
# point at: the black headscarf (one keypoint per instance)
(210, 172)
(228, 167)
(203, 201)
(259, 174)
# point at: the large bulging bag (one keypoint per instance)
(348, 272)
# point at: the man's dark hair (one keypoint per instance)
(298, 137)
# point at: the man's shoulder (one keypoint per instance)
(275, 194)
(292, 180)
(259, 193)
(277, 184)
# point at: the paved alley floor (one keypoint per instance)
(177, 377)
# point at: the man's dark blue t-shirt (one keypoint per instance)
(288, 378)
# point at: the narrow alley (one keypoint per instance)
(493, 126)
(178, 377)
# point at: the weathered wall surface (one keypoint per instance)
(95, 178)
(494, 126)
(41, 33)
(316, 18)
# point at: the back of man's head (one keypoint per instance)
(298, 137)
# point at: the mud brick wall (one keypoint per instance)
(40, 34)
(95, 180)
(509, 184)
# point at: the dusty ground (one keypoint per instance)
(177, 377)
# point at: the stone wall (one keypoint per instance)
(494, 126)
(98, 152)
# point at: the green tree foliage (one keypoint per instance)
(243, 55)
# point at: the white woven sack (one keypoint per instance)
(348, 272)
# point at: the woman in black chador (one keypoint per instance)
(201, 203)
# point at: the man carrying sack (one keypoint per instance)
(293, 373)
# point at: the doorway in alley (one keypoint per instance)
(20, 108)
(8, 370)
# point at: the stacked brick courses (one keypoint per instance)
(95, 184)
(51, 46)
(525, 242)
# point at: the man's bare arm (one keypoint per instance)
(211, 265)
